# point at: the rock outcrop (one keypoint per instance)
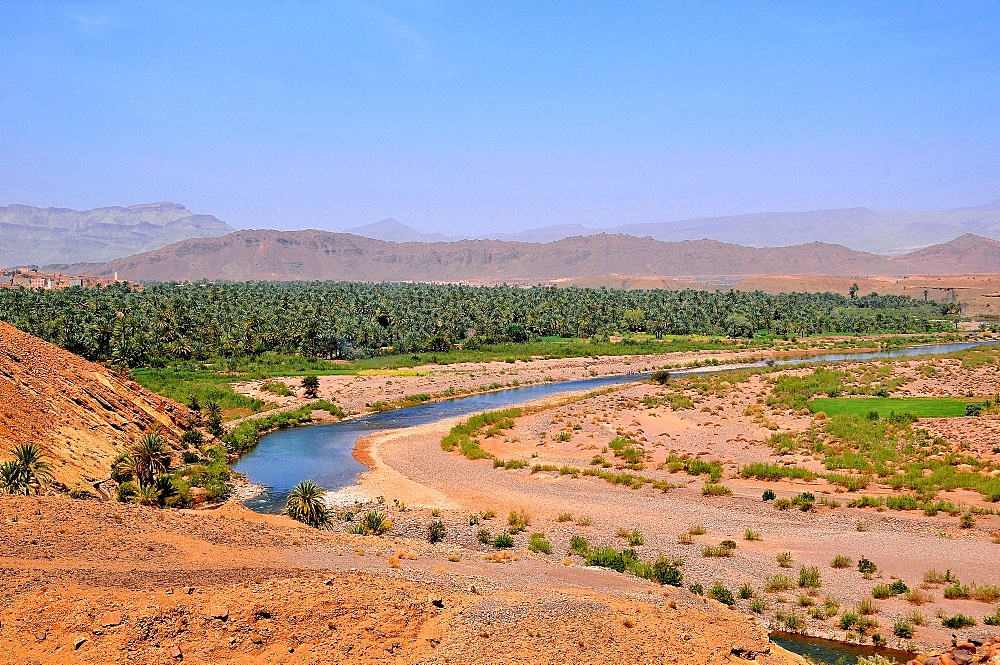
(966, 653)
(82, 414)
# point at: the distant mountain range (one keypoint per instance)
(56, 237)
(321, 255)
(46, 236)
(877, 231)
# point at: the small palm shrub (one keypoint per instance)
(307, 504)
(372, 523)
(768, 495)
(503, 541)
(866, 567)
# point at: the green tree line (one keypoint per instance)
(163, 322)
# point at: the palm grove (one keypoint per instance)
(160, 323)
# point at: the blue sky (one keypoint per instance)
(471, 116)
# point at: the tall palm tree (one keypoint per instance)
(306, 504)
(150, 458)
(35, 471)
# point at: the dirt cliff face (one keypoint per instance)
(80, 413)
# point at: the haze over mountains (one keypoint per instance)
(876, 231)
(44, 236)
(168, 241)
(321, 255)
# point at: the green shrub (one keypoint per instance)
(768, 495)
(958, 621)
(538, 543)
(881, 592)
(957, 591)
(435, 531)
(757, 605)
(784, 559)
(721, 594)
(866, 567)
(966, 521)
(697, 589)
(484, 537)
(848, 620)
(774, 583)
(608, 557)
(745, 592)
(665, 571)
(809, 577)
(903, 630)
(783, 503)
(503, 541)
(713, 489)
(841, 561)
(579, 545)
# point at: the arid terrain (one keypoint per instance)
(728, 424)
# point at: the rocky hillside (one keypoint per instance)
(80, 413)
(46, 236)
(319, 255)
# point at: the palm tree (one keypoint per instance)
(34, 470)
(149, 458)
(213, 423)
(11, 478)
(306, 504)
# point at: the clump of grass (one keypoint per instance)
(957, 591)
(867, 607)
(579, 545)
(697, 530)
(720, 593)
(783, 503)
(634, 536)
(903, 630)
(518, 520)
(779, 582)
(538, 543)
(685, 538)
(715, 489)
(918, 597)
(993, 619)
(745, 592)
(841, 561)
(794, 622)
(809, 577)
(503, 541)
(958, 622)
(750, 534)
(565, 517)
(757, 605)
(719, 551)
(866, 568)
(784, 559)
(584, 520)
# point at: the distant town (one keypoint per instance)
(30, 278)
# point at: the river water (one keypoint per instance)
(322, 453)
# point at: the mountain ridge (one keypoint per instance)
(322, 255)
(31, 235)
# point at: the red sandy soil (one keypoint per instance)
(92, 582)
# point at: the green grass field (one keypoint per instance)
(924, 407)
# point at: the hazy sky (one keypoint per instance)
(467, 116)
